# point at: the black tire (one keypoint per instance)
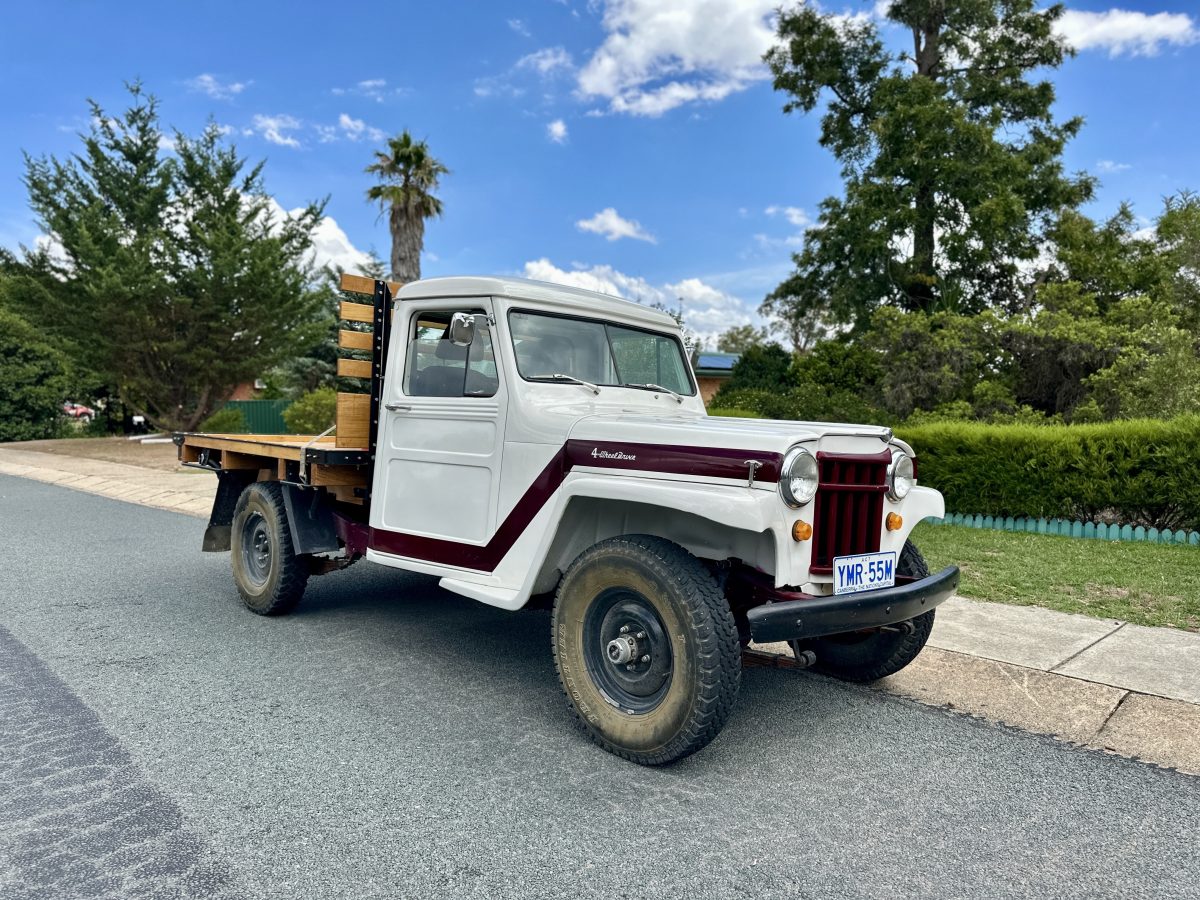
(866, 657)
(269, 576)
(678, 690)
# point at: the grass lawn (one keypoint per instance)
(1149, 584)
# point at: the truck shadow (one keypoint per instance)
(505, 658)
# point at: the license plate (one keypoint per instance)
(865, 572)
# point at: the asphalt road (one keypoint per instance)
(392, 740)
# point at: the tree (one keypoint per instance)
(763, 367)
(949, 154)
(740, 338)
(34, 382)
(179, 281)
(408, 174)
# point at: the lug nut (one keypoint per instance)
(646, 658)
(641, 635)
(629, 668)
(624, 629)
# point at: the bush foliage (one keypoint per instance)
(1136, 471)
(227, 420)
(312, 413)
(34, 382)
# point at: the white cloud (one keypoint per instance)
(1108, 166)
(275, 129)
(767, 242)
(546, 64)
(355, 129)
(519, 27)
(215, 88)
(331, 245)
(546, 61)
(609, 223)
(1125, 32)
(372, 88)
(706, 310)
(557, 131)
(661, 54)
(793, 214)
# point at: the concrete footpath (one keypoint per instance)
(1098, 683)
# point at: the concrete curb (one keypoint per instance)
(1097, 683)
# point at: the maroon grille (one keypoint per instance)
(849, 510)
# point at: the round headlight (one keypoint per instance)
(800, 477)
(901, 475)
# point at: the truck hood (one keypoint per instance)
(761, 435)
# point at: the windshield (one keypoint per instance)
(597, 352)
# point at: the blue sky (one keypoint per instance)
(628, 145)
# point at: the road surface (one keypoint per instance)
(392, 740)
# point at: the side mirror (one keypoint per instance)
(462, 329)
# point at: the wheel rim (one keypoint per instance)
(256, 549)
(627, 651)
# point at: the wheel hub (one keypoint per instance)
(628, 651)
(256, 548)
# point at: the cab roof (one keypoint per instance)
(564, 299)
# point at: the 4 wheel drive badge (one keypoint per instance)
(597, 453)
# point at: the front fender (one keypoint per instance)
(710, 513)
(736, 506)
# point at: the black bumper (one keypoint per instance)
(792, 615)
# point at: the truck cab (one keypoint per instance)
(539, 445)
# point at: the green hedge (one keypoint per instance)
(1140, 472)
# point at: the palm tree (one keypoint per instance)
(408, 174)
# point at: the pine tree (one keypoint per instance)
(950, 155)
(179, 282)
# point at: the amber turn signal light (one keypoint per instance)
(801, 530)
(894, 521)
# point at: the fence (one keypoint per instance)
(262, 416)
(1068, 528)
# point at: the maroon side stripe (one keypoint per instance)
(674, 460)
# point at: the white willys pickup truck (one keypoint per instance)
(538, 445)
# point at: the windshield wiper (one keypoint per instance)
(655, 387)
(570, 379)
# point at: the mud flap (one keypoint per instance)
(230, 484)
(311, 519)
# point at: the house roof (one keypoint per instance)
(716, 365)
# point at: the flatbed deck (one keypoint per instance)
(309, 448)
(298, 458)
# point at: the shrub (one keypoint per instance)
(805, 403)
(34, 382)
(229, 420)
(763, 367)
(312, 413)
(1136, 471)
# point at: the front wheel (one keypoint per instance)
(869, 656)
(270, 577)
(646, 649)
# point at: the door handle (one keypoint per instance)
(397, 407)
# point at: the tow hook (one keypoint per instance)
(899, 628)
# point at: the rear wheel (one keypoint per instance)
(270, 577)
(869, 656)
(646, 648)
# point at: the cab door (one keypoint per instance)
(437, 472)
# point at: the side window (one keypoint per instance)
(438, 368)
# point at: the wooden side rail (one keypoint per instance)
(354, 410)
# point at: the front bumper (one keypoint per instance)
(790, 615)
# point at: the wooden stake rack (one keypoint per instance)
(343, 464)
